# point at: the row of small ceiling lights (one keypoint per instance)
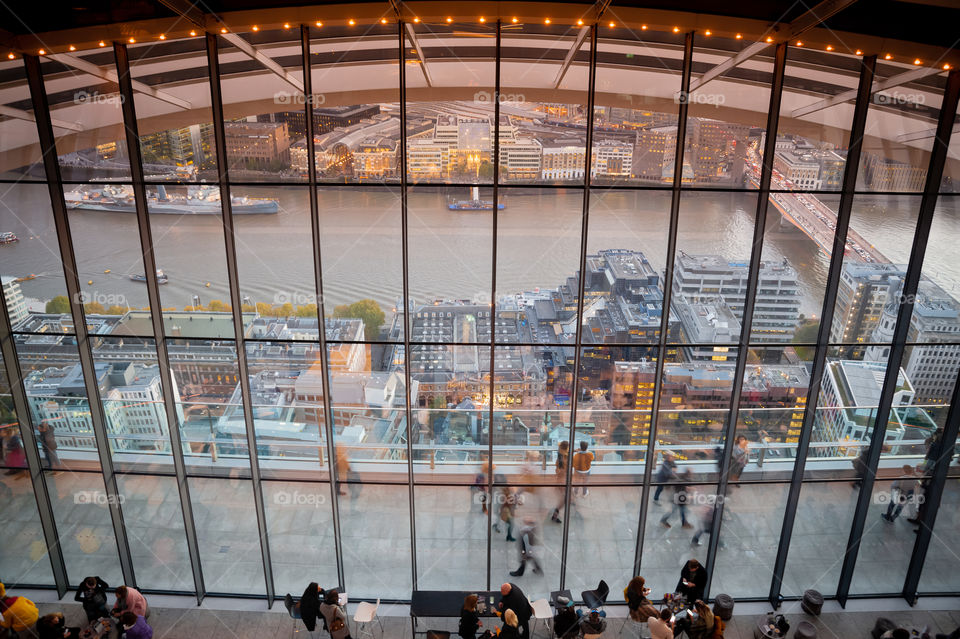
(482, 19)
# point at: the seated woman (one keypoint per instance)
(54, 626)
(593, 624)
(135, 626)
(702, 625)
(693, 580)
(636, 595)
(334, 615)
(310, 605)
(509, 629)
(565, 621)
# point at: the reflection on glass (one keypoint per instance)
(368, 511)
(528, 517)
(888, 537)
(941, 571)
(23, 557)
(671, 524)
(300, 528)
(451, 538)
(227, 535)
(81, 510)
(154, 525)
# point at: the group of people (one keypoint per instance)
(514, 609)
(13, 455)
(129, 612)
(318, 604)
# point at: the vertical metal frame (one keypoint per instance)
(68, 258)
(407, 322)
(41, 493)
(216, 102)
(495, 216)
(581, 280)
(928, 203)
(743, 348)
(667, 294)
(321, 314)
(131, 129)
(818, 366)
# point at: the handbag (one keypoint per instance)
(336, 625)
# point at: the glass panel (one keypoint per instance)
(175, 125)
(132, 400)
(21, 156)
(259, 138)
(30, 265)
(212, 425)
(154, 525)
(941, 572)
(80, 509)
(99, 148)
(543, 139)
(369, 418)
(361, 254)
(663, 557)
(694, 411)
(451, 539)
(812, 137)
(602, 541)
(538, 253)
(23, 558)
(614, 409)
(626, 244)
(749, 537)
(300, 528)
(727, 116)
(356, 84)
(887, 542)
(289, 421)
(530, 516)
(711, 268)
(637, 78)
(820, 534)
(450, 141)
(227, 535)
(450, 252)
(191, 261)
(368, 511)
(275, 261)
(56, 394)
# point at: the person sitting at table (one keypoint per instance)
(310, 605)
(661, 625)
(130, 600)
(509, 629)
(92, 593)
(469, 618)
(636, 595)
(565, 621)
(701, 627)
(334, 615)
(693, 580)
(592, 624)
(512, 598)
(54, 626)
(135, 626)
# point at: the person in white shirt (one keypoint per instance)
(661, 627)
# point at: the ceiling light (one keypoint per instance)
(708, 32)
(769, 39)
(131, 41)
(286, 25)
(858, 52)
(383, 20)
(416, 19)
(643, 27)
(319, 24)
(917, 61)
(799, 43)
(946, 67)
(482, 19)
(163, 37)
(193, 33)
(102, 43)
(256, 28)
(449, 20)
(546, 21)
(73, 48)
(829, 47)
(613, 24)
(888, 57)
(739, 36)
(579, 22)
(676, 29)
(223, 29)
(42, 52)
(351, 22)
(11, 56)
(515, 21)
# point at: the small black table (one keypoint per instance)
(448, 603)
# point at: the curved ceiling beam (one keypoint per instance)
(19, 114)
(894, 81)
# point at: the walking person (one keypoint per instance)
(667, 472)
(738, 459)
(681, 497)
(12, 452)
(707, 517)
(527, 543)
(582, 461)
(48, 443)
(508, 508)
(563, 458)
(901, 490)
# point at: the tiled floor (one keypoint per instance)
(180, 618)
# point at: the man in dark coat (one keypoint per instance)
(512, 598)
(48, 442)
(310, 606)
(693, 581)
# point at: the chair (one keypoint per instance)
(365, 614)
(293, 609)
(542, 611)
(597, 597)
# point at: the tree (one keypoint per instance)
(308, 310)
(806, 334)
(58, 305)
(94, 308)
(218, 306)
(116, 310)
(366, 310)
